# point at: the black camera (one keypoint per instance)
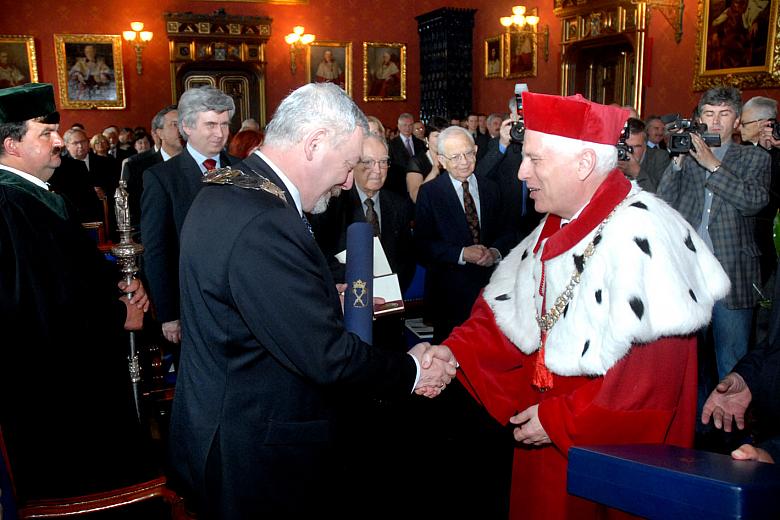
(681, 142)
(517, 132)
(624, 150)
(776, 130)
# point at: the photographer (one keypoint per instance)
(644, 165)
(719, 190)
(758, 116)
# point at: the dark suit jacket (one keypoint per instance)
(104, 172)
(133, 172)
(482, 141)
(399, 160)
(440, 234)
(740, 190)
(330, 230)
(263, 350)
(169, 189)
(71, 179)
(652, 168)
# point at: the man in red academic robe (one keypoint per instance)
(585, 333)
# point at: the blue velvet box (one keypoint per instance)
(658, 481)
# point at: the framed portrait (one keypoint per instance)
(18, 64)
(89, 71)
(384, 71)
(519, 54)
(330, 62)
(494, 55)
(737, 44)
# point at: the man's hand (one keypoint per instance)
(702, 153)
(765, 138)
(629, 167)
(503, 133)
(172, 331)
(749, 452)
(475, 254)
(728, 403)
(530, 430)
(135, 306)
(438, 367)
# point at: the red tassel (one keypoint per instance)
(542, 378)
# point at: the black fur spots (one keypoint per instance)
(502, 297)
(525, 255)
(689, 243)
(693, 295)
(637, 306)
(598, 296)
(579, 263)
(639, 204)
(585, 348)
(565, 310)
(644, 245)
(596, 240)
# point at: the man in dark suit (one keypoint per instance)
(480, 139)
(392, 214)
(645, 165)
(459, 233)
(165, 129)
(104, 171)
(169, 189)
(264, 350)
(71, 180)
(402, 148)
(719, 190)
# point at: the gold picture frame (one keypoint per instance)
(729, 53)
(520, 54)
(89, 71)
(384, 71)
(494, 57)
(18, 63)
(337, 69)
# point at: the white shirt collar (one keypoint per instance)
(164, 155)
(26, 176)
(294, 193)
(199, 158)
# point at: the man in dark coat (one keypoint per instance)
(264, 351)
(65, 408)
(169, 189)
(402, 148)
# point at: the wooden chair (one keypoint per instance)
(114, 499)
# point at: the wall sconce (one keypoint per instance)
(519, 21)
(138, 38)
(297, 40)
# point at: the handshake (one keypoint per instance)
(437, 368)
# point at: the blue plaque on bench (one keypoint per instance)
(659, 481)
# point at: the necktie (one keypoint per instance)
(371, 216)
(308, 224)
(471, 213)
(409, 147)
(209, 164)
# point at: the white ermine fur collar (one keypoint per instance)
(650, 276)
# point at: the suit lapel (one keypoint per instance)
(457, 214)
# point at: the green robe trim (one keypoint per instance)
(52, 201)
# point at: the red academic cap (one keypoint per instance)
(574, 117)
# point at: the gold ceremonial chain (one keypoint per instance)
(550, 318)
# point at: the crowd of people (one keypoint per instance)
(555, 274)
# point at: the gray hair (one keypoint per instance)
(765, 108)
(313, 106)
(606, 154)
(512, 104)
(202, 99)
(405, 115)
(494, 115)
(67, 136)
(379, 139)
(158, 121)
(721, 96)
(449, 133)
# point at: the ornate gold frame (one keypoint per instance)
(488, 41)
(29, 43)
(347, 46)
(401, 48)
(741, 77)
(508, 55)
(60, 40)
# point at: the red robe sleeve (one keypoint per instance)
(491, 367)
(647, 397)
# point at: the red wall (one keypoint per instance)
(671, 70)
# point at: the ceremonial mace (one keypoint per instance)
(126, 253)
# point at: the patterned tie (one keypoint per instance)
(308, 224)
(371, 216)
(471, 213)
(409, 147)
(209, 164)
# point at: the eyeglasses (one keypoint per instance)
(745, 123)
(461, 157)
(370, 163)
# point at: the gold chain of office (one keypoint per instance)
(551, 317)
